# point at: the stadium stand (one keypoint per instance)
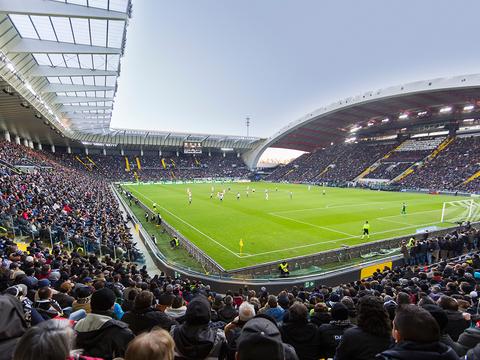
(342, 162)
(110, 300)
(183, 166)
(404, 156)
(451, 168)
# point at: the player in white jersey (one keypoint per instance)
(309, 187)
(266, 194)
(291, 195)
(189, 198)
(247, 193)
(323, 192)
(221, 196)
(238, 195)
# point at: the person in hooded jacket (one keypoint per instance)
(372, 334)
(144, 316)
(12, 325)
(298, 332)
(468, 339)
(98, 334)
(194, 339)
(417, 337)
(330, 334)
(227, 312)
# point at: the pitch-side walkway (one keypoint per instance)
(151, 267)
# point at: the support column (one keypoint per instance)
(25, 143)
(30, 144)
(160, 152)
(69, 150)
(86, 151)
(141, 152)
(7, 136)
(17, 140)
(104, 152)
(122, 152)
(53, 148)
(39, 146)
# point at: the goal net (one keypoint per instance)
(461, 210)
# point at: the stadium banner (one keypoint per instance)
(370, 270)
(127, 164)
(139, 166)
(192, 147)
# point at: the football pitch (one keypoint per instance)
(294, 221)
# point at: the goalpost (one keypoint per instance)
(461, 210)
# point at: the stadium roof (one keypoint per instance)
(391, 110)
(61, 60)
(64, 57)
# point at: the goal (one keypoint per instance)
(461, 210)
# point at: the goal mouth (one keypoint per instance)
(461, 210)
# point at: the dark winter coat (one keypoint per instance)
(303, 336)
(144, 320)
(409, 350)
(101, 336)
(357, 344)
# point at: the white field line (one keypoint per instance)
(309, 224)
(387, 218)
(387, 205)
(325, 207)
(193, 227)
(337, 240)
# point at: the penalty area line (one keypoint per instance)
(337, 240)
(188, 224)
(309, 224)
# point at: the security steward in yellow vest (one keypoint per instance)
(283, 267)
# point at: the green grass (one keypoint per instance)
(176, 256)
(284, 227)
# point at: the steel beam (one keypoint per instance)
(53, 47)
(79, 99)
(54, 88)
(54, 8)
(43, 70)
(73, 108)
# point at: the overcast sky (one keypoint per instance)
(204, 65)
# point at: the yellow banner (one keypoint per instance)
(197, 162)
(173, 162)
(93, 162)
(127, 164)
(163, 163)
(369, 270)
(80, 160)
(139, 167)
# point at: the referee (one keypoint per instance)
(366, 230)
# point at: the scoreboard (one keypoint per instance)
(192, 147)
